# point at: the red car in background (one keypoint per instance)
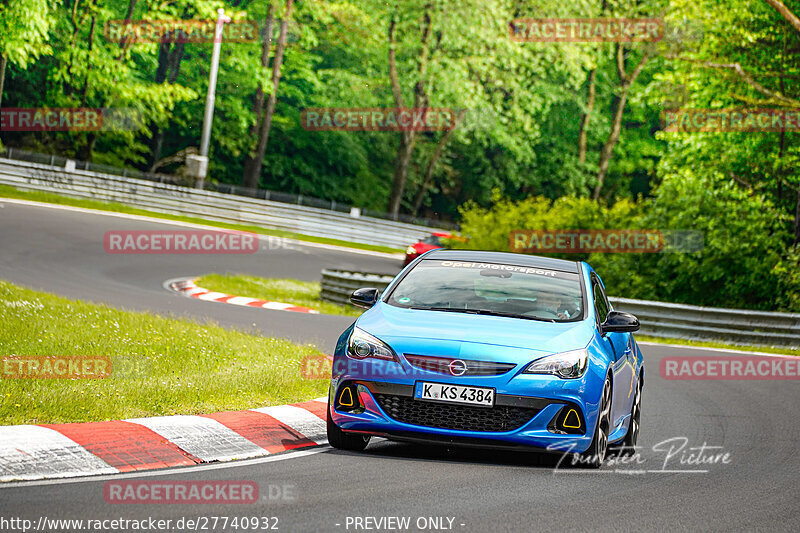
(427, 244)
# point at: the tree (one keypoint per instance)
(255, 160)
(26, 26)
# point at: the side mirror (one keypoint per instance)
(365, 298)
(619, 322)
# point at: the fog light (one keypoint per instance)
(572, 420)
(347, 399)
(568, 421)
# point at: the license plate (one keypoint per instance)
(443, 392)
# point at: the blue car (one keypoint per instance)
(489, 349)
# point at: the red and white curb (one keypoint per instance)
(31, 452)
(188, 288)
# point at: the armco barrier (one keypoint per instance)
(338, 285)
(659, 319)
(187, 201)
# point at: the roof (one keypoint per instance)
(506, 258)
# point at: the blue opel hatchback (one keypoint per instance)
(489, 349)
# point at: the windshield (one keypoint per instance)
(492, 289)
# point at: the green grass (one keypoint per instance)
(714, 344)
(289, 291)
(160, 365)
(7, 191)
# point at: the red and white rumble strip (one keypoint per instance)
(188, 288)
(70, 450)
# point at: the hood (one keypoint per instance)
(461, 334)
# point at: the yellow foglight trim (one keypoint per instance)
(349, 402)
(577, 418)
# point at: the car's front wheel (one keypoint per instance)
(628, 444)
(342, 440)
(596, 454)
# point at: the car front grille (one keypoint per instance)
(441, 365)
(452, 416)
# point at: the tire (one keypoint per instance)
(345, 441)
(596, 454)
(628, 444)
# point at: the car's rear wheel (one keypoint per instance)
(342, 440)
(596, 454)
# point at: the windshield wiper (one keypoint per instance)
(488, 312)
(511, 315)
(447, 309)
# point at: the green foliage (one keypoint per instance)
(489, 228)
(741, 263)
(25, 29)
(511, 163)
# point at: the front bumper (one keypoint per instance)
(518, 422)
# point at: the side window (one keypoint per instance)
(600, 302)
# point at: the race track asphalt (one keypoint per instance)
(754, 422)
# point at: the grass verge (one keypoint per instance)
(289, 291)
(160, 365)
(7, 191)
(714, 344)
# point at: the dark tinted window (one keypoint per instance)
(600, 302)
(491, 288)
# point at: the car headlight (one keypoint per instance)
(411, 251)
(566, 365)
(362, 345)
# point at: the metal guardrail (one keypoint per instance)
(338, 285)
(210, 205)
(227, 188)
(658, 319)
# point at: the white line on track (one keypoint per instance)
(723, 350)
(173, 471)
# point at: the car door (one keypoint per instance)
(617, 346)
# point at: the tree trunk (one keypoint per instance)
(590, 98)
(169, 64)
(401, 161)
(785, 13)
(258, 106)
(437, 154)
(797, 218)
(587, 116)
(625, 82)
(3, 62)
(251, 179)
(611, 142)
(123, 43)
(408, 139)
